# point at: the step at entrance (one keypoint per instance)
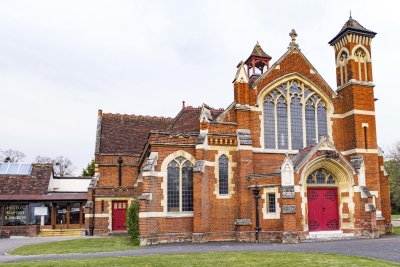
(59, 232)
(330, 235)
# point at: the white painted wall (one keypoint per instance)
(69, 185)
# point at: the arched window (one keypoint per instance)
(343, 67)
(294, 117)
(180, 185)
(320, 176)
(361, 57)
(223, 175)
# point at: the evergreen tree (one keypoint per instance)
(132, 222)
(89, 171)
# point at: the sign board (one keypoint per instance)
(40, 211)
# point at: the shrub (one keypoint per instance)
(132, 222)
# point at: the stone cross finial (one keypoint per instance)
(293, 45)
(293, 35)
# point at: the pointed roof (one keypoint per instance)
(258, 52)
(293, 50)
(304, 155)
(352, 26)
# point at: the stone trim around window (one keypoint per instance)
(231, 165)
(271, 215)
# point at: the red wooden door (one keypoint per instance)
(323, 211)
(119, 215)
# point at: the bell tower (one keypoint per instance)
(352, 47)
(355, 106)
(257, 63)
(354, 121)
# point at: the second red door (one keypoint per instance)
(119, 215)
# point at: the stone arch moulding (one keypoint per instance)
(363, 48)
(302, 80)
(343, 49)
(290, 77)
(342, 173)
(344, 177)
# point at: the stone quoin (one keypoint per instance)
(310, 150)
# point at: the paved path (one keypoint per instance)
(385, 248)
(396, 222)
(14, 242)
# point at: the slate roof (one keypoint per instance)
(36, 183)
(352, 25)
(127, 134)
(298, 158)
(258, 52)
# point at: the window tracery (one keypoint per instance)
(343, 67)
(294, 117)
(361, 57)
(320, 176)
(180, 185)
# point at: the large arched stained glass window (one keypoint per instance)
(223, 175)
(294, 117)
(180, 185)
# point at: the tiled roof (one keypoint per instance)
(36, 183)
(51, 196)
(188, 120)
(354, 26)
(127, 134)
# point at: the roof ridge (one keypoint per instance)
(111, 115)
(199, 108)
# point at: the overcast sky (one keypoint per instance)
(61, 61)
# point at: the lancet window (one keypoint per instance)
(180, 185)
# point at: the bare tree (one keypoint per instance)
(11, 156)
(62, 166)
(43, 159)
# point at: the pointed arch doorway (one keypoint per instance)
(322, 199)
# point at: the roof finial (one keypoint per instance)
(350, 15)
(293, 45)
(183, 104)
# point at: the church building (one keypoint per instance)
(289, 159)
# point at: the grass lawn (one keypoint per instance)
(81, 245)
(395, 216)
(220, 259)
(396, 230)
